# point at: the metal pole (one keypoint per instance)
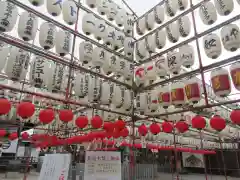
(175, 153)
(204, 157)
(223, 160)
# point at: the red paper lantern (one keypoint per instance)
(96, 122)
(65, 115)
(142, 130)
(108, 126)
(198, 122)
(120, 124)
(217, 123)
(5, 106)
(13, 136)
(25, 136)
(154, 128)
(125, 132)
(235, 116)
(81, 122)
(25, 110)
(46, 116)
(3, 132)
(182, 126)
(167, 127)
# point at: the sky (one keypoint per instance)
(141, 8)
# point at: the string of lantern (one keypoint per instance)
(76, 33)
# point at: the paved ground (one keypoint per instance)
(162, 176)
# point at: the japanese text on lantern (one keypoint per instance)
(216, 83)
(236, 77)
(188, 90)
(174, 94)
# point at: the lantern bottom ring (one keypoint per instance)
(87, 33)
(92, 6)
(210, 22)
(233, 49)
(227, 12)
(35, 3)
(2, 29)
(102, 13)
(25, 38)
(54, 14)
(62, 54)
(110, 19)
(120, 25)
(46, 47)
(181, 8)
(116, 48)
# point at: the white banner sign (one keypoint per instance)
(192, 160)
(55, 167)
(100, 165)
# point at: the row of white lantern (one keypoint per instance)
(157, 15)
(163, 67)
(110, 9)
(100, 58)
(158, 39)
(208, 12)
(230, 37)
(178, 94)
(221, 82)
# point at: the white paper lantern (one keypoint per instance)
(178, 94)
(17, 64)
(128, 100)
(119, 40)
(187, 55)
(47, 35)
(164, 96)
(140, 76)
(128, 70)
(161, 70)
(192, 90)
(184, 26)
(220, 81)
(50, 75)
(109, 37)
(8, 16)
(91, 3)
(230, 37)
(151, 43)
(208, 13)
(150, 20)
(112, 11)
(160, 38)
(36, 2)
(58, 77)
(27, 26)
(118, 96)
(81, 84)
(88, 23)
(4, 52)
(121, 15)
(106, 92)
(100, 29)
(63, 42)
(98, 57)
(141, 100)
(85, 52)
(69, 11)
(150, 72)
(235, 74)
(128, 46)
(54, 7)
(102, 6)
(212, 45)
(38, 73)
(94, 88)
(152, 100)
(110, 63)
(141, 25)
(182, 4)
(159, 14)
(172, 32)
(173, 62)
(141, 50)
(224, 7)
(171, 7)
(109, 116)
(128, 25)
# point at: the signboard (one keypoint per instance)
(100, 165)
(55, 167)
(9, 146)
(192, 160)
